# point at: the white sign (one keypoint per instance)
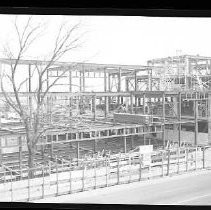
(146, 150)
(147, 159)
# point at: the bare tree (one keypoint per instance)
(64, 43)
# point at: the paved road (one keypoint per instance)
(188, 189)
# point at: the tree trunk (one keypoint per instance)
(31, 161)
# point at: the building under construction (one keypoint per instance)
(166, 101)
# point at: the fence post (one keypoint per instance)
(162, 156)
(178, 160)
(95, 174)
(28, 184)
(130, 167)
(196, 159)
(49, 168)
(43, 182)
(21, 174)
(83, 174)
(11, 186)
(106, 172)
(70, 179)
(109, 169)
(168, 165)
(203, 157)
(57, 178)
(140, 164)
(186, 153)
(4, 175)
(118, 170)
(149, 168)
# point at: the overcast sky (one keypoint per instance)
(125, 40)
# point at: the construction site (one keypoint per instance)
(164, 105)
